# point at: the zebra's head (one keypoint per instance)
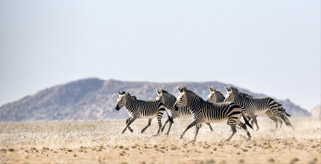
(166, 98)
(181, 100)
(160, 95)
(231, 94)
(121, 100)
(215, 96)
(212, 96)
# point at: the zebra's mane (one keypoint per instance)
(133, 97)
(245, 95)
(194, 94)
(164, 91)
(219, 93)
(172, 96)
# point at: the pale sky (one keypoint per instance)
(270, 47)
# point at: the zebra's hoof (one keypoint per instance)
(274, 130)
(167, 133)
(181, 137)
(226, 140)
(123, 132)
(192, 142)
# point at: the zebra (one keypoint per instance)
(215, 96)
(269, 114)
(168, 100)
(206, 112)
(140, 109)
(258, 106)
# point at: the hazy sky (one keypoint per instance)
(270, 46)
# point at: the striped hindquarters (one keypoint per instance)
(148, 109)
(221, 111)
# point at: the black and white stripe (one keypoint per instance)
(206, 112)
(168, 100)
(258, 106)
(140, 109)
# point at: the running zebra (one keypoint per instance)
(168, 100)
(206, 112)
(140, 109)
(258, 106)
(215, 96)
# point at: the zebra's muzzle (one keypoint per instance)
(116, 107)
(175, 106)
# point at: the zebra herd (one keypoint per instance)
(216, 108)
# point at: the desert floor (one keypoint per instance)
(102, 142)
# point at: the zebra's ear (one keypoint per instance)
(179, 89)
(119, 93)
(184, 89)
(211, 89)
(158, 91)
(227, 89)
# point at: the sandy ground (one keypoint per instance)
(102, 142)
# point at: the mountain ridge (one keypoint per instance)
(94, 99)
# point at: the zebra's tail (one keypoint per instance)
(283, 110)
(169, 117)
(287, 114)
(247, 122)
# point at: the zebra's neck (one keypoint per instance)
(242, 101)
(219, 98)
(131, 104)
(169, 103)
(194, 102)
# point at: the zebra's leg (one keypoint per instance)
(280, 114)
(272, 117)
(129, 122)
(281, 122)
(188, 127)
(276, 120)
(232, 124)
(159, 119)
(198, 126)
(255, 121)
(285, 119)
(169, 128)
(130, 129)
(149, 122)
(243, 126)
(209, 125)
(250, 119)
(164, 125)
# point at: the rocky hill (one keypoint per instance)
(316, 111)
(94, 99)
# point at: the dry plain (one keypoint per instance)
(102, 142)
